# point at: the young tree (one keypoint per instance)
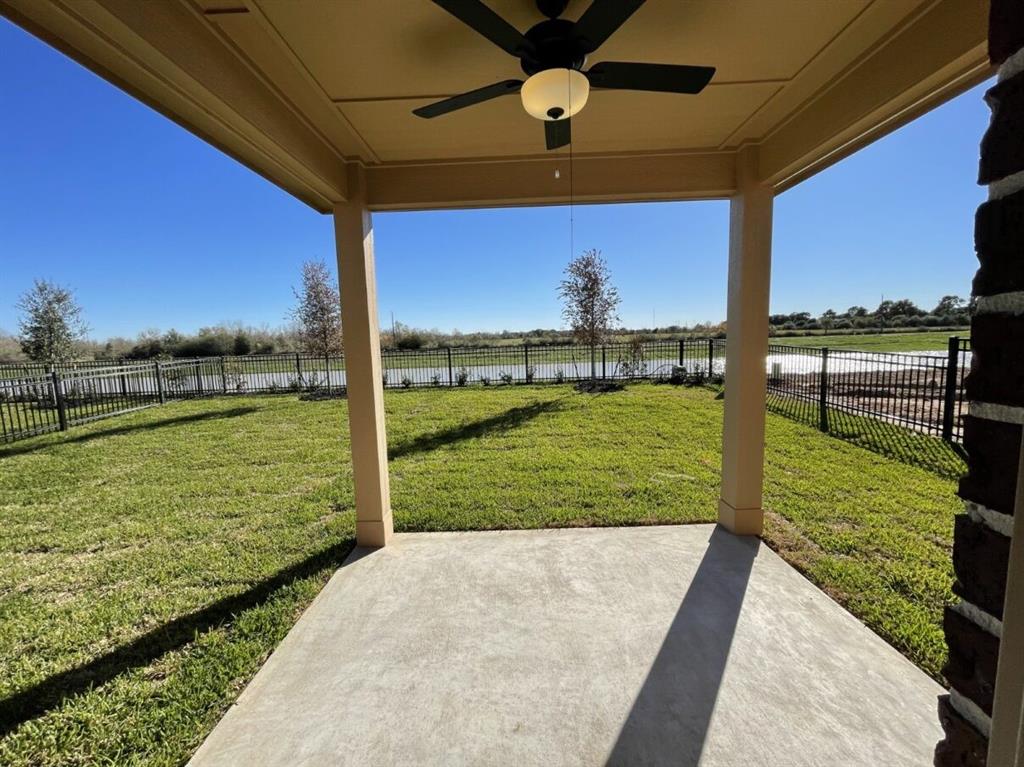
(318, 313)
(590, 302)
(51, 323)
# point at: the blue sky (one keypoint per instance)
(152, 228)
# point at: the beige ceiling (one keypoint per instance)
(302, 89)
(378, 60)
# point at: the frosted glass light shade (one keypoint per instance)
(555, 94)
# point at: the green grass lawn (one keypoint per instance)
(926, 341)
(150, 563)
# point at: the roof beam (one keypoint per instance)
(635, 178)
(931, 58)
(211, 92)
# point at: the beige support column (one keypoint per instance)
(750, 253)
(353, 231)
(1006, 745)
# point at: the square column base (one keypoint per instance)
(373, 534)
(740, 521)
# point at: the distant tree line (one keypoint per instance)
(52, 327)
(215, 341)
(950, 311)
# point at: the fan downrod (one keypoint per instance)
(552, 8)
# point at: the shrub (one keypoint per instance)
(559, 376)
(633, 363)
(242, 345)
(410, 341)
(506, 378)
(384, 379)
(233, 380)
(435, 380)
(485, 380)
(462, 377)
(531, 372)
(214, 344)
(147, 349)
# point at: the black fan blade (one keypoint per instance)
(666, 78)
(600, 20)
(479, 17)
(557, 133)
(468, 99)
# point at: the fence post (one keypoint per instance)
(949, 395)
(298, 367)
(199, 378)
(58, 395)
(160, 382)
(604, 372)
(682, 353)
(526, 360)
(50, 369)
(124, 386)
(711, 357)
(223, 376)
(327, 363)
(823, 393)
(451, 380)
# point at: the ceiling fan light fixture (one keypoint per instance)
(555, 94)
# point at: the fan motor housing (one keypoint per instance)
(555, 47)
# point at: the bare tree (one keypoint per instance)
(590, 302)
(51, 323)
(318, 312)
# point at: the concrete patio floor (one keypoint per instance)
(628, 646)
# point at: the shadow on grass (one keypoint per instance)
(52, 691)
(503, 422)
(130, 428)
(886, 439)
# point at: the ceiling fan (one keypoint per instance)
(553, 53)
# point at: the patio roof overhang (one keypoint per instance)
(302, 91)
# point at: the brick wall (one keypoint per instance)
(995, 387)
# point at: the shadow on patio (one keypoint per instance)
(661, 645)
(670, 717)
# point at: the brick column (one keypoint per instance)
(992, 430)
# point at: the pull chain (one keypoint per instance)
(572, 229)
(572, 179)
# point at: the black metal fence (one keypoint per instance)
(923, 392)
(920, 391)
